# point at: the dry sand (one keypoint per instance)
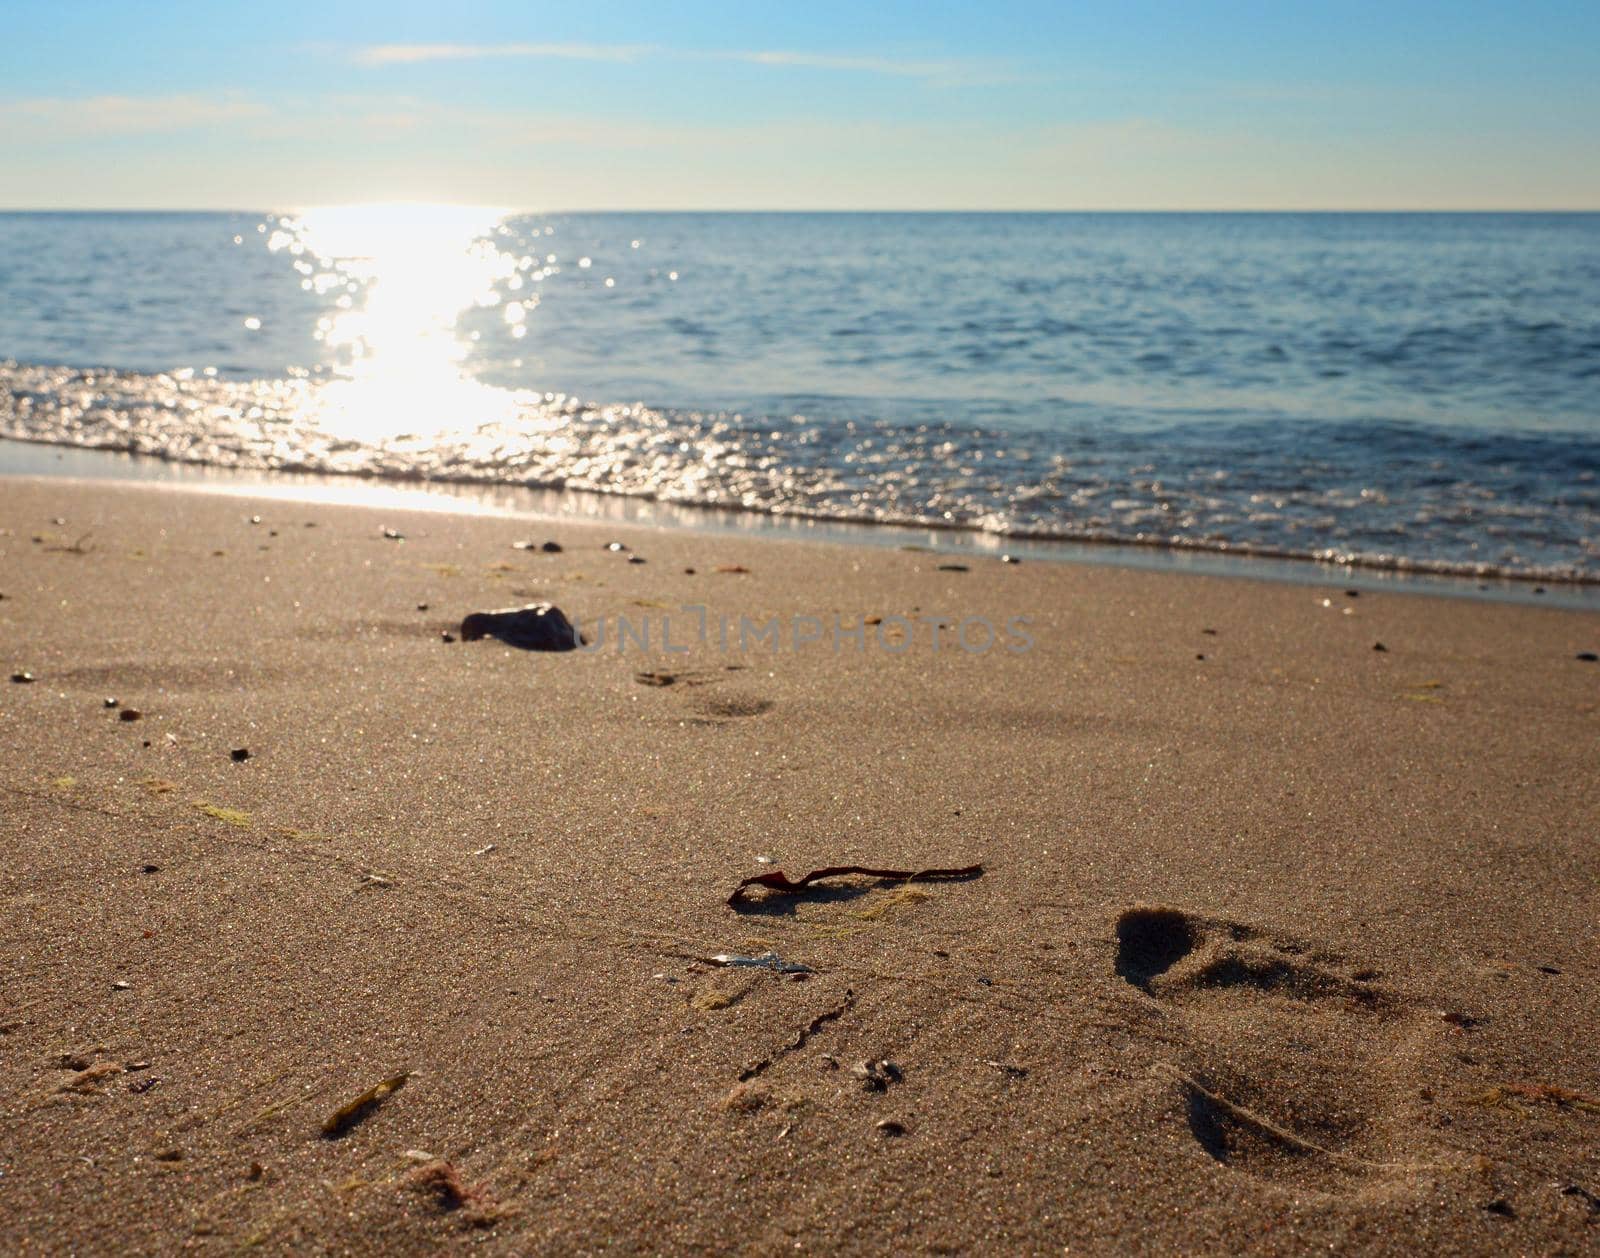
(1289, 947)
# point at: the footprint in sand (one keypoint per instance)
(731, 706)
(1292, 1064)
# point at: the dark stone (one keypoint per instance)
(240, 754)
(1378, 646)
(551, 548)
(635, 558)
(536, 627)
(109, 701)
(129, 714)
(1588, 657)
(952, 567)
(22, 679)
(1009, 559)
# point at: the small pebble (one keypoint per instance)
(888, 1127)
(688, 572)
(394, 535)
(120, 986)
(635, 559)
(447, 637)
(255, 519)
(240, 754)
(1378, 646)
(551, 548)
(1009, 559)
(149, 869)
(422, 607)
(1588, 657)
(1352, 593)
(22, 679)
(109, 701)
(129, 714)
(1199, 657)
(615, 546)
(952, 567)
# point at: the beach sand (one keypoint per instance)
(1281, 942)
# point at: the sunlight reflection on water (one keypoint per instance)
(409, 272)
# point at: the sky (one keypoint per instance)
(1007, 104)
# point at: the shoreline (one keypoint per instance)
(23, 458)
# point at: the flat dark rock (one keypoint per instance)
(536, 627)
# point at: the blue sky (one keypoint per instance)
(1006, 104)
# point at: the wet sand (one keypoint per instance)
(1281, 942)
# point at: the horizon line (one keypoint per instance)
(249, 209)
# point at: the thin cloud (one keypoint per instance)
(414, 54)
(860, 65)
(62, 117)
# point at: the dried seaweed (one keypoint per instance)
(440, 1180)
(91, 1080)
(781, 884)
(352, 1113)
(231, 816)
(806, 1032)
(1548, 1093)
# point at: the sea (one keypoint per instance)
(1414, 393)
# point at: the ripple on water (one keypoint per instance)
(1390, 495)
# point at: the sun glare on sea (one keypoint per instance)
(403, 275)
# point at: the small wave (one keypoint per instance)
(1399, 497)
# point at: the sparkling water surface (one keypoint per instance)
(1406, 391)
